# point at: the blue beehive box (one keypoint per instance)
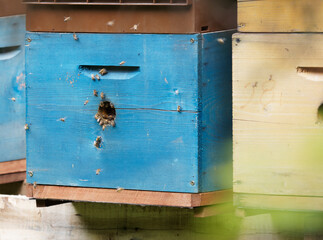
(163, 99)
(12, 89)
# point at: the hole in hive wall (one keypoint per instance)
(204, 28)
(106, 114)
(320, 114)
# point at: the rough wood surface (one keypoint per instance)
(130, 196)
(280, 16)
(13, 166)
(277, 127)
(283, 203)
(20, 219)
(172, 99)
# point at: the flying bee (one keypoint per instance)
(102, 95)
(95, 93)
(97, 172)
(13, 99)
(120, 189)
(221, 40)
(26, 126)
(86, 102)
(62, 119)
(123, 62)
(93, 77)
(179, 109)
(97, 77)
(67, 19)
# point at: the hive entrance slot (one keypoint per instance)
(106, 114)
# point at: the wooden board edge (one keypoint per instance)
(13, 166)
(278, 202)
(12, 177)
(132, 197)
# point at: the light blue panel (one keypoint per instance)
(215, 138)
(12, 88)
(159, 71)
(152, 147)
(12, 30)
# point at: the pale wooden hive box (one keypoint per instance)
(280, 16)
(277, 124)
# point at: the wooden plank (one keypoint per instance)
(92, 221)
(13, 166)
(12, 7)
(280, 16)
(129, 196)
(277, 131)
(275, 202)
(12, 177)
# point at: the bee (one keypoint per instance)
(123, 62)
(62, 119)
(97, 142)
(67, 19)
(13, 99)
(35, 185)
(221, 40)
(75, 37)
(26, 126)
(97, 172)
(120, 189)
(86, 102)
(95, 93)
(103, 71)
(179, 109)
(135, 27)
(93, 77)
(97, 77)
(102, 95)
(111, 23)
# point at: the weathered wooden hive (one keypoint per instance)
(12, 92)
(280, 16)
(277, 110)
(131, 16)
(124, 115)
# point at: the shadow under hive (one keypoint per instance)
(130, 111)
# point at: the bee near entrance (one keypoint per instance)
(106, 114)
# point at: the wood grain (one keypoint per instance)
(12, 88)
(284, 203)
(130, 196)
(12, 177)
(153, 146)
(276, 129)
(280, 16)
(13, 166)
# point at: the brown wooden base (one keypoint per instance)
(129, 196)
(12, 171)
(278, 203)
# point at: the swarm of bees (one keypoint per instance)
(106, 115)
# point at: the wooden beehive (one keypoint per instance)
(134, 16)
(168, 104)
(277, 120)
(11, 8)
(12, 99)
(280, 16)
